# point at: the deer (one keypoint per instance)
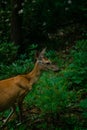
(13, 90)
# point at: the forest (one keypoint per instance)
(58, 100)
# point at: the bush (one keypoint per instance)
(78, 67)
(13, 64)
(51, 97)
(8, 52)
(62, 97)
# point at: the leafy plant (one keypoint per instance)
(8, 52)
(59, 97)
(77, 70)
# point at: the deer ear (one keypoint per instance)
(42, 52)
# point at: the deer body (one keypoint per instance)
(13, 90)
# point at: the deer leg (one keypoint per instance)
(20, 110)
(11, 113)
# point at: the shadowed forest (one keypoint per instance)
(58, 100)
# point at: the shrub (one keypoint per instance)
(8, 52)
(62, 97)
(18, 67)
(51, 96)
(79, 65)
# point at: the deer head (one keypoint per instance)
(44, 63)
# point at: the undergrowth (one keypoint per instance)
(57, 101)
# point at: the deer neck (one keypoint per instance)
(34, 74)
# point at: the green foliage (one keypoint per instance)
(18, 67)
(63, 95)
(52, 97)
(11, 64)
(83, 104)
(79, 65)
(8, 52)
(59, 97)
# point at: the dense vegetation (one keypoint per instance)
(58, 101)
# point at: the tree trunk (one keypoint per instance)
(16, 21)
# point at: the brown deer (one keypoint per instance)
(13, 90)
